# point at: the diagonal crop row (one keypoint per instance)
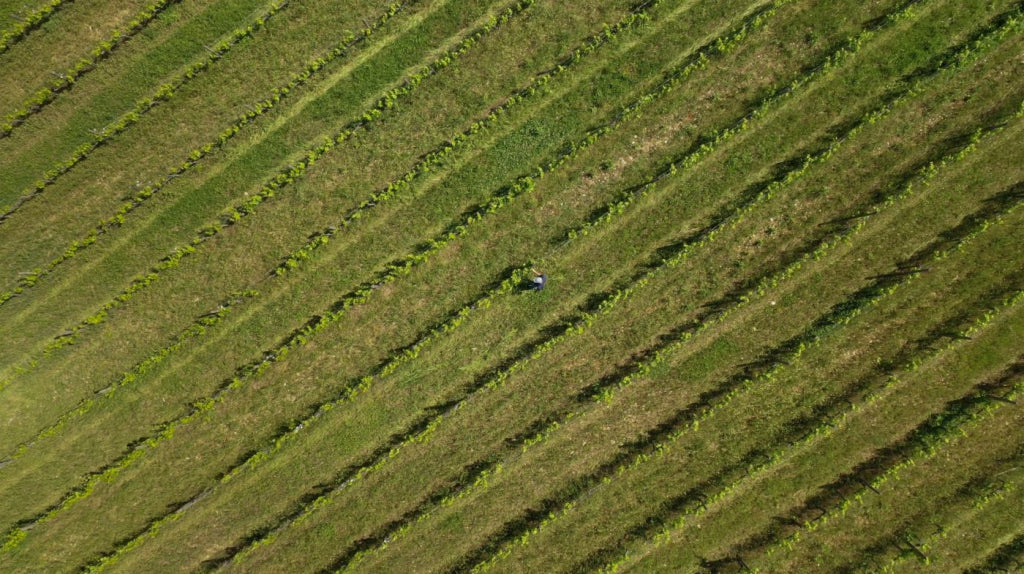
(348, 393)
(876, 384)
(881, 381)
(514, 280)
(888, 381)
(672, 516)
(276, 183)
(715, 400)
(193, 331)
(962, 235)
(523, 184)
(164, 93)
(30, 22)
(415, 433)
(418, 425)
(923, 443)
(66, 79)
(195, 156)
(455, 318)
(658, 441)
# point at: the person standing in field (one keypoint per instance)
(539, 279)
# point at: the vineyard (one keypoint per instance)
(267, 298)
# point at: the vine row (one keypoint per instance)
(515, 279)
(393, 445)
(711, 143)
(297, 338)
(390, 273)
(961, 236)
(105, 134)
(66, 79)
(1007, 556)
(452, 320)
(195, 156)
(418, 513)
(30, 22)
(399, 444)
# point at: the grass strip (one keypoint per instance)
(924, 442)
(382, 449)
(660, 528)
(1007, 556)
(402, 356)
(524, 184)
(970, 500)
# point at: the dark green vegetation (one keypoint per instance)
(263, 287)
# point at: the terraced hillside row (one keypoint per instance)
(267, 299)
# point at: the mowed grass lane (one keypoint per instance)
(226, 101)
(264, 271)
(361, 429)
(113, 264)
(980, 538)
(440, 289)
(924, 493)
(519, 480)
(743, 434)
(856, 538)
(184, 34)
(16, 19)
